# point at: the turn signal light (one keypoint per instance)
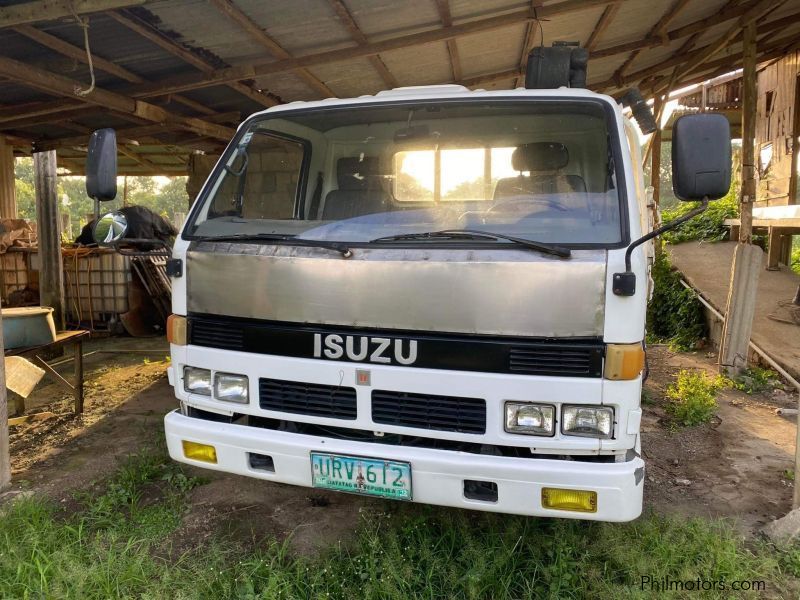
(201, 452)
(624, 361)
(574, 500)
(176, 330)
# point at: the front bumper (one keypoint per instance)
(438, 475)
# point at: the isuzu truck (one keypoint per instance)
(431, 294)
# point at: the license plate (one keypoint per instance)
(359, 475)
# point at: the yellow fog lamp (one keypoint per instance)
(623, 361)
(201, 452)
(574, 500)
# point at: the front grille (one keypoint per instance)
(226, 336)
(552, 360)
(307, 398)
(425, 411)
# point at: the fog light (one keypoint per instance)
(230, 387)
(531, 419)
(574, 500)
(197, 381)
(588, 421)
(201, 452)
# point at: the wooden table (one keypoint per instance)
(63, 339)
(777, 229)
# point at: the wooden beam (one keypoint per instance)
(744, 21)
(153, 35)
(54, 83)
(527, 42)
(257, 69)
(603, 23)
(230, 10)
(452, 49)
(659, 30)
(48, 227)
(749, 117)
(77, 53)
(8, 194)
(677, 59)
(50, 10)
(699, 26)
(355, 32)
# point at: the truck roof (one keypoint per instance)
(428, 92)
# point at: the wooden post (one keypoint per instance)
(749, 100)
(8, 196)
(5, 457)
(655, 165)
(51, 270)
(747, 259)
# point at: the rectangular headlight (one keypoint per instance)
(230, 387)
(530, 419)
(197, 381)
(588, 421)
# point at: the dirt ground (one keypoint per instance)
(734, 467)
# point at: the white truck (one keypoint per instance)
(423, 295)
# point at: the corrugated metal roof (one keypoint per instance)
(305, 27)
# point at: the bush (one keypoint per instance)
(692, 398)
(674, 315)
(756, 380)
(709, 226)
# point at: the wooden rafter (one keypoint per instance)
(452, 47)
(603, 23)
(527, 42)
(679, 58)
(221, 76)
(76, 53)
(355, 32)
(54, 83)
(230, 10)
(49, 10)
(699, 26)
(150, 33)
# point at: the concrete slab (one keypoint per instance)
(707, 267)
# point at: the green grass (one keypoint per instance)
(755, 380)
(114, 548)
(692, 397)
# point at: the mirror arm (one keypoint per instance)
(624, 284)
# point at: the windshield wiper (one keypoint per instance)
(343, 249)
(475, 234)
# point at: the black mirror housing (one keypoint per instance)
(701, 157)
(101, 165)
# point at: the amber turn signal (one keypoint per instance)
(176, 330)
(624, 361)
(201, 452)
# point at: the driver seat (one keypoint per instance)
(360, 190)
(544, 161)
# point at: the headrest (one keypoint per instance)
(540, 156)
(354, 173)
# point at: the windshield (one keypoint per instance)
(540, 170)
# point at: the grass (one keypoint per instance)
(755, 380)
(692, 397)
(114, 548)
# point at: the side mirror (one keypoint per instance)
(101, 165)
(701, 156)
(110, 228)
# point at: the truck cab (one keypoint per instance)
(427, 295)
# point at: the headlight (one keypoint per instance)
(197, 381)
(531, 419)
(588, 421)
(229, 387)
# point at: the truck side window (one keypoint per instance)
(267, 187)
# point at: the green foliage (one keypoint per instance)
(795, 262)
(709, 226)
(674, 315)
(755, 380)
(692, 398)
(165, 196)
